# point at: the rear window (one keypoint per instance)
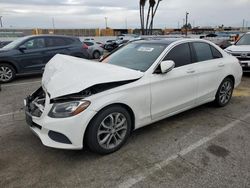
(216, 53)
(203, 51)
(89, 43)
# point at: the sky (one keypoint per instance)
(120, 13)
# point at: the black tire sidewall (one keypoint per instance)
(217, 98)
(13, 72)
(96, 52)
(91, 135)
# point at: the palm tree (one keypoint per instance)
(142, 6)
(153, 15)
(151, 7)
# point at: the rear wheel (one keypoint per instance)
(224, 93)
(109, 130)
(7, 73)
(96, 55)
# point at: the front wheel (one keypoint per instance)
(7, 73)
(109, 130)
(224, 93)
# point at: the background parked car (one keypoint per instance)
(4, 43)
(110, 45)
(94, 49)
(30, 54)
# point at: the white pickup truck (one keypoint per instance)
(241, 50)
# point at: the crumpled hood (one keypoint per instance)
(66, 75)
(239, 48)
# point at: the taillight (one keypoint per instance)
(84, 46)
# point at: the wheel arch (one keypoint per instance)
(125, 106)
(231, 77)
(96, 50)
(10, 63)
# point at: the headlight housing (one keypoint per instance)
(68, 109)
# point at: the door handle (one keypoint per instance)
(221, 65)
(190, 71)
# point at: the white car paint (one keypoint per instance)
(65, 72)
(151, 98)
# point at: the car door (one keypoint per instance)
(176, 90)
(56, 45)
(31, 56)
(209, 66)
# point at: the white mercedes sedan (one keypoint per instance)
(98, 104)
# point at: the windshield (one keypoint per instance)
(136, 56)
(14, 43)
(244, 40)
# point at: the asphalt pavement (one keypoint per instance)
(202, 147)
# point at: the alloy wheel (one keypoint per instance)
(6, 73)
(225, 92)
(112, 130)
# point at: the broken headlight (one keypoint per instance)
(68, 109)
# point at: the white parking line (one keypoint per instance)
(11, 113)
(141, 176)
(20, 84)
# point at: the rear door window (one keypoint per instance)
(216, 53)
(180, 54)
(57, 41)
(203, 51)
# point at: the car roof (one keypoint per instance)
(50, 35)
(154, 40)
(168, 41)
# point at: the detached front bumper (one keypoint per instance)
(61, 133)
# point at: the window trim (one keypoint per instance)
(166, 53)
(217, 51)
(210, 46)
(33, 38)
(190, 51)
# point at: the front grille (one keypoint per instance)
(244, 59)
(242, 56)
(36, 103)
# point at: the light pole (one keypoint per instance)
(187, 23)
(1, 22)
(53, 23)
(106, 22)
(126, 23)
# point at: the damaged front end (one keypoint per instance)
(67, 105)
(35, 103)
(98, 88)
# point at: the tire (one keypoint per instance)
(109, 48)
(224, 93)
(104, 137)
(7, 73)
(96, 55)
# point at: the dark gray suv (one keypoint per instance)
(29, 55)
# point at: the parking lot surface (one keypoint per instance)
(203, 147)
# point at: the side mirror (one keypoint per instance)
(167, 66)
(22, 48)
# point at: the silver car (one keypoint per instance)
(94, 49)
